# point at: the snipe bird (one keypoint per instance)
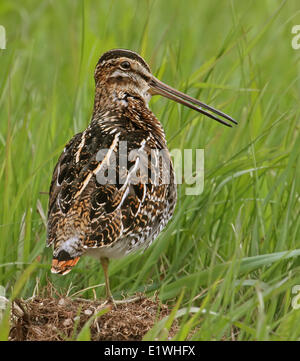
(110, 219)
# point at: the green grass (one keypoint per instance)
(234, 249)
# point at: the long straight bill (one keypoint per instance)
(160, 88)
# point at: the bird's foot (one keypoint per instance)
(115, 303)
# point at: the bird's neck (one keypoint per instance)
(128, 110)
(111, 95)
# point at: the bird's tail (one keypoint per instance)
(66, 254)
(63, 267)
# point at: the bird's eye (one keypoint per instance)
(125, 65)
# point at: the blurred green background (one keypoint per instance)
(234, 250)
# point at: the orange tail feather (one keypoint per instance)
(63, 267)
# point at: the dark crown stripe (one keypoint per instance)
(119, 53)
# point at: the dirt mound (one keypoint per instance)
(54, 319)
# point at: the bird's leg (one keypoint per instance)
(104, 262)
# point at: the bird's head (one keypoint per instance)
(124, 73)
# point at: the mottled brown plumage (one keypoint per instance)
(113, 187)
